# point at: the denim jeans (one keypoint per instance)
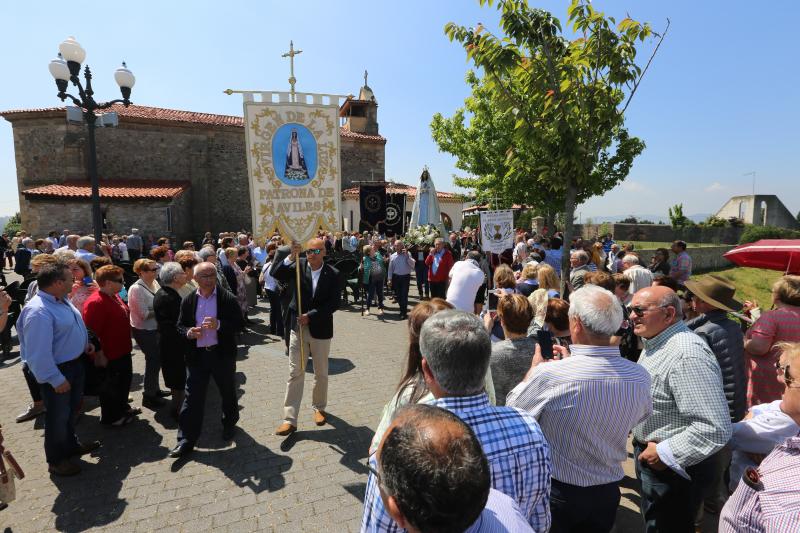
(60, 441)
(671, 502)
(147, 339)
(375, 290)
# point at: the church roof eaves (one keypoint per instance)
(112, 190)
(138, 113)
(408, 190)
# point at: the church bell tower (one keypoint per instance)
(361, 115)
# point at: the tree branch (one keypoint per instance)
(637, 82)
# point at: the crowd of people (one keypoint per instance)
(522, 387)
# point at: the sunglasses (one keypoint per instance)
(313, 251)
(374, 472)
(787, 378)
(638, 310)
(117, 280)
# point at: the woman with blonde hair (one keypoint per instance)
(83, 285)
(548, 280)
(528, 279)
(145, 328)
(781, 324)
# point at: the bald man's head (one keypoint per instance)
(654, 309)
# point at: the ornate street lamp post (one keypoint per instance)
(65, 68)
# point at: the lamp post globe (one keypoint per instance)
(125, 79)
(60, 71)
(73, 52)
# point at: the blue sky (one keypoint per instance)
(720, 99)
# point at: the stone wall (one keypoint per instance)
(360, 161)
(150, 216)
(660, 233)
(704, 258)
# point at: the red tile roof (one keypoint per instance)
(402, 188)
(487, 207)
(162, 115)
(117, 189)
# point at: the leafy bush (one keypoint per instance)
(756, 233)
(629, 220)
(715, 222)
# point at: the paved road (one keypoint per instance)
(312, 481)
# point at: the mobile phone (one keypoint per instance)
(545, 340)
(87, 280)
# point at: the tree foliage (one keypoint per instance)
(13, 225)
(560, 102)
(676, 217)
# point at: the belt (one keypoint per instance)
(208, 348)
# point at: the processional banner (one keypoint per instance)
(372, 204)
(396, 213)
(497, 230)
(293, 165)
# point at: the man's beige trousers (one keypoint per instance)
(319, 350)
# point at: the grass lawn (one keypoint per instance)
(750, 283)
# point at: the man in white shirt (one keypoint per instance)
(466, 277)
(640, 277)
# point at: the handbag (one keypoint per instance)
(9, 470)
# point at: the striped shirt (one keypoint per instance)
(518, 455)
(586, 405)
(772, 503)
(690, 420)
(500, 515)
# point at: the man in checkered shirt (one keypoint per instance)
(455, 356)
(678, 446)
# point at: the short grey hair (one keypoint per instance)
(438, 239)
(206, 252)
(83, 242)
(630, 259)
(64, 255)
(671, 299)
(581, 256)
(169, 271)
(26, 241)
(598, 310)
(456, 347)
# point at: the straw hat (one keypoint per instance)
(715, 291)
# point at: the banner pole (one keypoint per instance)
(299, 314)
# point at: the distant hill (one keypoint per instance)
(699, 217)
(3, 221)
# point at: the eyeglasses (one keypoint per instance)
(638, 310)
(787, 378)
(313, 251)
(117, 280)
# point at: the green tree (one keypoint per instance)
(13, 225)
(567, 98)
(676, 216)
(481, 148)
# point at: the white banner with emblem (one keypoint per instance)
(497, 230)
(293, 163)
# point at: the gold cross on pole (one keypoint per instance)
(290, 54)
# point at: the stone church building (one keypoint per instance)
(167, 172)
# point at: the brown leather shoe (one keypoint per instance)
(320, 418)
(64, 468)
(285, 429)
